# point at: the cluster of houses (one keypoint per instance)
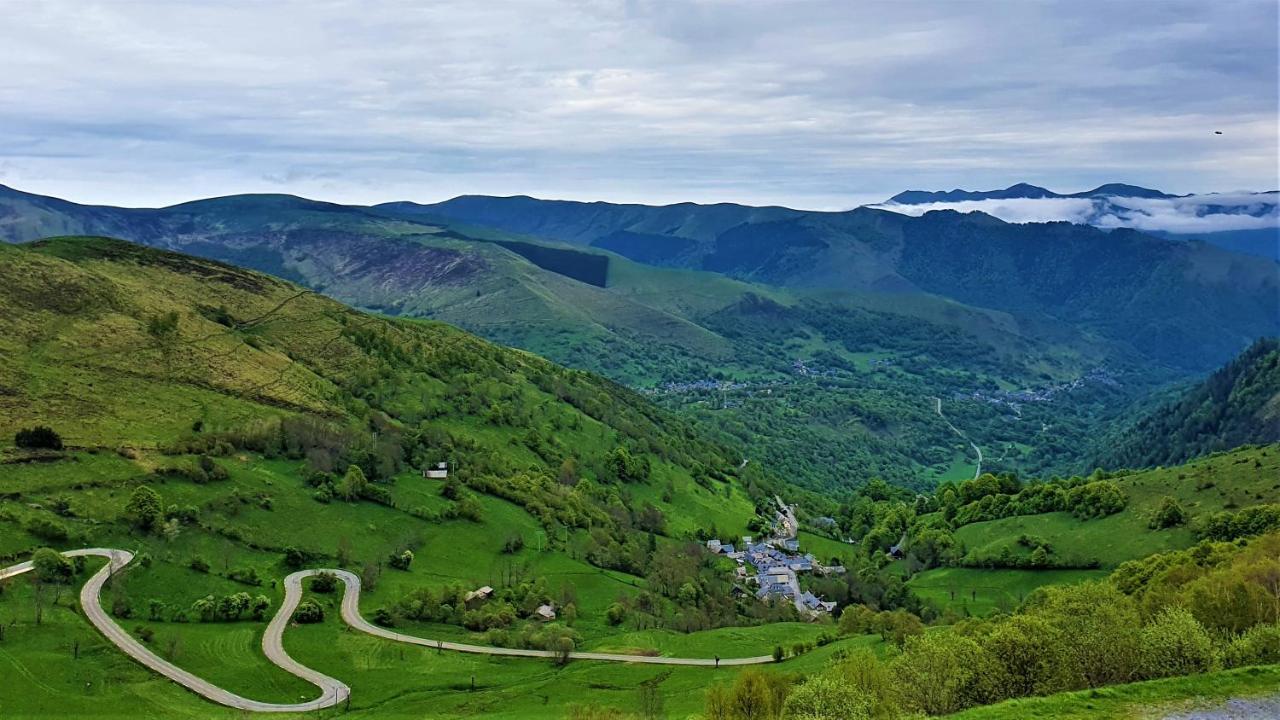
(773, 566)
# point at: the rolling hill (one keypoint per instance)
(243, 402)
(814, 340)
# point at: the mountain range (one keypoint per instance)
(815, 338)
(1245, 222)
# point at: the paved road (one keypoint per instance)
(332, 691)
(938, 408)
(1236, 709)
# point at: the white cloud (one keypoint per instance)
(808, 104)
(1207, 213)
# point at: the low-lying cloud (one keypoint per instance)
(1215, 212)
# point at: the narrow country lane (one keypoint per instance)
(977, 471)
(332, 691)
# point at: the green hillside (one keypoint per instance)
(829, 387)
(247, 403)
(1238, 404)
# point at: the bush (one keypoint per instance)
(47, 529)
(1259, 645)
(308, 612)
(1170, 514)
(1175, 643)
(294, 558)
(401, 561)
(52, 566)
(38, 438)
(943, 672)
(144, 508)
(822, 697)
(199, 564)
(325, 582)
(246, 576)
(383, 617)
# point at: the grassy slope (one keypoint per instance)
(1240, 478)
(78, 357)
(1136, 701)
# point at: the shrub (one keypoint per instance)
(1170, 514)
(52, 566)
(247, 576)
(144, 509)
(616, 613)
(308, 612)
(1259, 645)
(942, 672)
(325, 582)
(401, 561)
(294, 558)
(40, 437)
(1175, 643)
(47, 529)
(199, 564)
(383, 617)
(822, 697)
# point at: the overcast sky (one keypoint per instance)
(819, 105)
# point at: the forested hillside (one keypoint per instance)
(1238, 404)
(827, 352)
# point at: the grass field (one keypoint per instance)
(1243, 477)
(978, 592)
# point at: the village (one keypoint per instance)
(773, 565)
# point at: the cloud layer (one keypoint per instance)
(815, 103)
(1215, 212)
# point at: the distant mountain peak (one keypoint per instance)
(1022, 191)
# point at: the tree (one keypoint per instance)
(40, 437)
(823, 697)
(52, 566)
(144, 508)
(616, 613)
(651, 701)
(941, 672)
(294, 558)
(1026, 648)
(1170, 514)
(353, 483)
(401, 561)
(308, 612)
(259, 606)
(324, 582)
(1175, 643)
(563, 649)
(1097, 623)
(757, 695)
(856, 619)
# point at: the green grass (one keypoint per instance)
(1137, 701)
(978, 592)
(1248, 476)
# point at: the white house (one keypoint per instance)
(439, 472)
(545, 613)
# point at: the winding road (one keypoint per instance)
(938, 409)
(332, 690)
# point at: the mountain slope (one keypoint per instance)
(1210, 303)
(1238, 404)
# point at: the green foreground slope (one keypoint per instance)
(242, 401)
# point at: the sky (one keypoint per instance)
(816, 105)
